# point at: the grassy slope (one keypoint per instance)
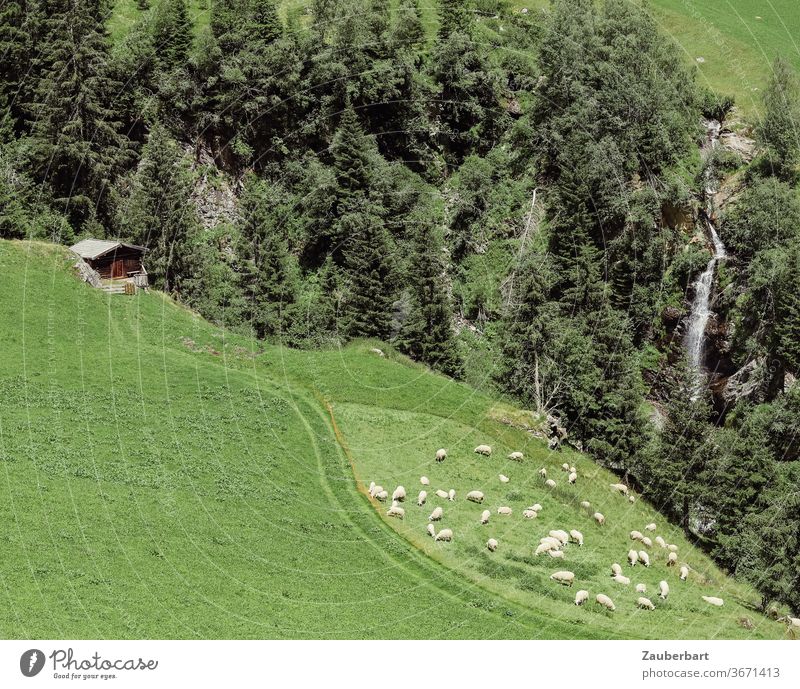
(159, 486)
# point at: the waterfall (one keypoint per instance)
(701, 311)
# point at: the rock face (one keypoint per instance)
(738, 143)
(749, 382)
(214, 194)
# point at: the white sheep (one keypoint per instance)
(650, 527)
(543, 472)
(383, 496)
(485, 516)
(485, 450)
(663, 590)
(619, 488)
(442, 494)
(573, 470)
(505, 511)
(631, 499)
(491, 544)
(424, 481)
(399, 494)
(573, 477)
(516, 456)
(565, 467)
(622, 579)
(646, 603)
(441, 455)
(536, 507)
(530, 514)
(555, 553)
(444, 535)
(431, 530)
(475, 496)
(576, 536)
(605, 601)
(562, 536)
(372, 489)
(503, 478)
(672, 548)
(586, 504)
(641, 588)
(644, 558)
(636, 535)
(684, 573)
(555, 542)
(451, 495)
(672, 560)
(422, 497)
(543, 548)
(713, 600)
(615, 569)
(599, 518)
(660, 541)
(436, 515)
(563, 577)
(550, 483)
(791, 621)
(581, 597)
(396, 511)
(647, 542)
(633, 557)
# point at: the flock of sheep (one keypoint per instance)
(557, 540)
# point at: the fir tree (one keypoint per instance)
(353, 154)
(14, 40)
(454, 17)
(264, 25)
(172, 35)
(778, 130)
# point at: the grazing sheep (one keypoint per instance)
(641, 588)
(555, 553)
(543, 548)
(451, 495)
(573, 477)
(422, 497)
(491, 544)
(442, 493)
(506, 511)
(563, 577)
(552, 540)
(424, 481)
(565, 467)
(615, 570)
(599, 518)
(605, 601)
(631, 499)
(371, 488)
(431, 531)
(485, 450)
(684, 573)
(485, 516)
(644, 558)
(536, 507)
(713, 600)
(650, 527)
(633, 557)
(673, 548)
(660, 541)
(619, 488)
(441, 455)
(576, 536)
(791, 621)
(475, 496)
(530, 514)
(543, 472)
(581, 597)
(444, 535)
(396, 511)
(503, 478)
(636, 536)
(383, 496)
(663, 590)
(562, 536)
(550, 483)
(647, 542)
(586, 504)
(672, 560)
(643, 602)
(516, 456)
(399, 494)
(436, 515)
(622, 579)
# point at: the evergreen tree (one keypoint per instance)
(353, 154)
(408, 32)
(427, 334)
(454, 17)
(264, 25)
(158, 213)
(778, 131)
(172, 35)
(14, 42)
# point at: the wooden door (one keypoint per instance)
(118, 268)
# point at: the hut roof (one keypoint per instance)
(95, 248)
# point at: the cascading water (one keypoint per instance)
(701, 311)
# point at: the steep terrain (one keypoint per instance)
(161, 478)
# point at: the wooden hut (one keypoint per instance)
(110, 264)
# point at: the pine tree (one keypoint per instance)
(14, 40)
(172, 35)
(159, 213)
(778, 130)
(453, 18)
(408, 33)
(353, 153)
(264, 25)
(427, 335)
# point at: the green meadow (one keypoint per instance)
(161, 478)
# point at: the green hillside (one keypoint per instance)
(161, 479)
